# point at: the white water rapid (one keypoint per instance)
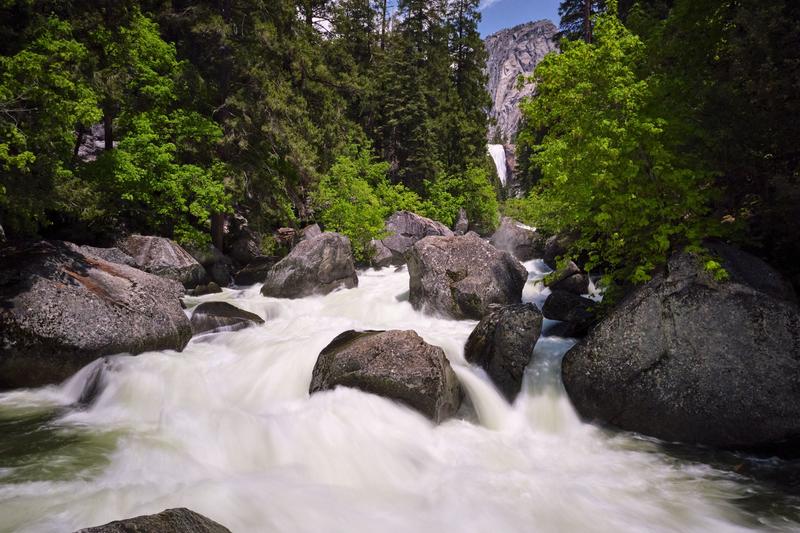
(498, 153)
(227, 428)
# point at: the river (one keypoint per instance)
(228, 429)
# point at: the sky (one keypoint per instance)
(501, 14)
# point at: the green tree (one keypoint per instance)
(576, 18)
(609, 171)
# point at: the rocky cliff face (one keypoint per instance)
(513, 52)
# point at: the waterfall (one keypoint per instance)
(498, 153)
(228, 429)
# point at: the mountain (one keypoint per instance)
(512, 52)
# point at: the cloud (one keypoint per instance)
(487, 3)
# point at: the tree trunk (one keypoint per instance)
(383, 24)
(587, 21)
(218, 230)
(108, 131)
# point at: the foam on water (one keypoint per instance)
(228, 429)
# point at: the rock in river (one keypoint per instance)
(519, 240)
(404, 229)
(60, 309)
(502, 343)
(395, 364)
(221, 316)
(169, 521)
(315, 266)
(687, 358)
(164, 257)
(461, 277)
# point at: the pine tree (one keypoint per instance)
(576, 18)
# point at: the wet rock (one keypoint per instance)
(221, 316)
(316, 266)
(394, 364)
(519, 240)
(170, 521)
(569, 279)
(61, 309)
(202, 290)
(164, 257)
(256, 271)
(687, 358)
(502, 343)
(461, 277)
(577, 313)
(462, 224)
(404, 229)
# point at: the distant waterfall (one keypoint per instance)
(498, 153)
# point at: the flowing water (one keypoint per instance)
(228, 429)
(498, 153)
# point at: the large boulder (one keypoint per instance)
(60, 309)
(404, 229)
(219, 267)
(315, 266)
(112, 255)
(554, 247)
(687, 358)
(221, 316)
(461, 277)
(577, 313)
(521, 241)
(164, 257)
(502, 343)
(310, 232)
(169, 521)
(394, 364)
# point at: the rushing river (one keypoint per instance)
(228, 429)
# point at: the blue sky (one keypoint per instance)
(501, 14)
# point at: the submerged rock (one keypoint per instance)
(169, 521)
(60, 309)
(522, 242)
(214, 316)
(164, 257)
(404, 229)
(687, 358)
(461, 277)
(316, 266)
(394, 364)
(502, 343)
(202, 290)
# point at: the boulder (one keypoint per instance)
(60, 309)
(164, 257)
(577, 313)
(460, 277)
(569, 279)
(112, 255)
(240, 242)
(256, 271)
(381, 255)
(462, 224)
(316, 266)
(521, 241)
(202, 290)
(687, 358)
(394, 364)
(219, 267)
(169, 521)
(404, 229)
(502, 343)
(556, 246)
(310, 232)
(221, 316)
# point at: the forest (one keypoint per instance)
(660, 124)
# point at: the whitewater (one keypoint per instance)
(227, 428)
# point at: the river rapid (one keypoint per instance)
(227, 428)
